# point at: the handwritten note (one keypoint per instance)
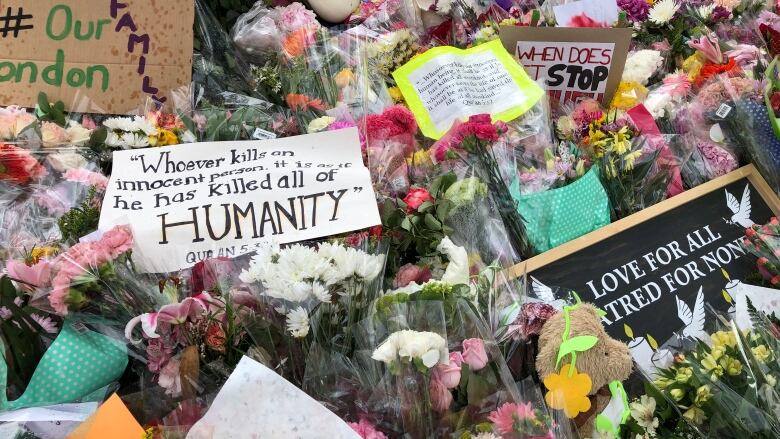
(446, 84)
(96, 56)
(206, 200)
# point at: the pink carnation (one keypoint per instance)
(84, 256)
(89, 178)
(504, 417)
(294, 17)
(366, 430)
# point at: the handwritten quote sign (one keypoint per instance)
(206, 200)
(656, 271)
(98, 56)
(446, 84)
(575, 63)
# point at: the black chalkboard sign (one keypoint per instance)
(647, 271)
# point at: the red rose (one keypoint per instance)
(415, 198)
(206, 275)
(375, 232)
(215, 337)
(762, 261)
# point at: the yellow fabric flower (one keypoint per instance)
(731, 365)
(703, 395)
(344, 78)
(695, 415)
(569, 394)
(724, 338)
(761, 353)
(628, 95)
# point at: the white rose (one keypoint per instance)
(78, 135)
(66, 160)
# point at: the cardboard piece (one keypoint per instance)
(96, 56)
(268, 407)
(226, 198)
(654, 270)
(446, 84)
(577, 63)
(113, 420)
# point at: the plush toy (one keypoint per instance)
(582, 368)
(334, 11)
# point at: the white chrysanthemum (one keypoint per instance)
(319, 291)
(114, 140)
(144, 126)
(704, 11)
(298, 322)
(656, 104)
(124, 124)
(663, 11)
(369, 266)
(429, 347)
(642, 65)
(135, 140)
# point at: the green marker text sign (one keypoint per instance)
(97, 56)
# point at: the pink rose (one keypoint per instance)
(87, 177)
(441, 398)
(366, 430)
(449, 374)
(415, 198)
(474, 353)
(411, 273)
(29, 277)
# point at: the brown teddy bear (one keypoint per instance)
(606, 361)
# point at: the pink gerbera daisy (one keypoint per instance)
(504, 418)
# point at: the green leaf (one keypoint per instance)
(581, 343)
(43, 102)
(432, 223)
(424, 207)
(406, 224)
(478, 389)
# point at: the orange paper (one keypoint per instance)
(112, 420)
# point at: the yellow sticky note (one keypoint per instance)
(446, 84)
(112, 420)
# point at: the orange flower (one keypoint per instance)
(296, 42)
(302, 102)
(566, 393)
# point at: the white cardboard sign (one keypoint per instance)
(187, 203)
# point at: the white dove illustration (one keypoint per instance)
(694, 321)
(741, 209)
(545, 294)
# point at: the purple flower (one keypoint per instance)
(529, 322)
(720, 13)
(636, 10)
